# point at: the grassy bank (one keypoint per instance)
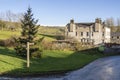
(51, 61)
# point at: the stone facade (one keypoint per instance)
(95, 32)
(115, 37)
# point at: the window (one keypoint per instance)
(117, 37)
(76, 33)
(103, 34)
(81, 33)
(87, 40)
(93, 28)
(81, 40)
(92, 33)
(87, 33)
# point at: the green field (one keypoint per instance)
(51, 60)
(49, 33)
(7, 34)
(51, 30)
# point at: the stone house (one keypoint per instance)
(115, 37)
(94, 32)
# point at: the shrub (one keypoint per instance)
(8, 42)
(101, 48)
(2, 43)
(36, 54)
(80, 47)
(46, 45)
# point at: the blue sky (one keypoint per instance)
(59, 12)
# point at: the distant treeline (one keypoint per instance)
(6, 25)
(114, 24)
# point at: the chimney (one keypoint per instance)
(98, 20)
(72, 21)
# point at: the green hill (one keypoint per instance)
(50, 33)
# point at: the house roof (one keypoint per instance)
(115, 34)
(84, 24)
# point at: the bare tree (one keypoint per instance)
(13, 17)
(110, 22)
(9, 16)
(19, 17)
(118, 21)
(2, 16)
(118, 24)
(9, 20)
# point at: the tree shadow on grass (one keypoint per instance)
(8, 52)
(7, 60)
(51, 65)
(55, 65)
(58, 37)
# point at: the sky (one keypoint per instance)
(59, 12)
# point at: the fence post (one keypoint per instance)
(28, 55)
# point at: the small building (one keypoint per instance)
(115, 37)
(94, 32)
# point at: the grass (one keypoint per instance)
(51, 61)
(7, 34)
(51, 30)
(8, 60)
(46, 37)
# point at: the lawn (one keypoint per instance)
(51, 61)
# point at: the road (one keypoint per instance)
(101, 69)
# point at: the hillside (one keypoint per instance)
(51, 30)
(49, 33)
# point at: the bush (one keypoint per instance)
(81, 47)
(46, 45)
(101, 48)
(36, 54)
(8, 42)
(2, 43)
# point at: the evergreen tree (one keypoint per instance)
(28, 34)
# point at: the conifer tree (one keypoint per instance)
(28, 34)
